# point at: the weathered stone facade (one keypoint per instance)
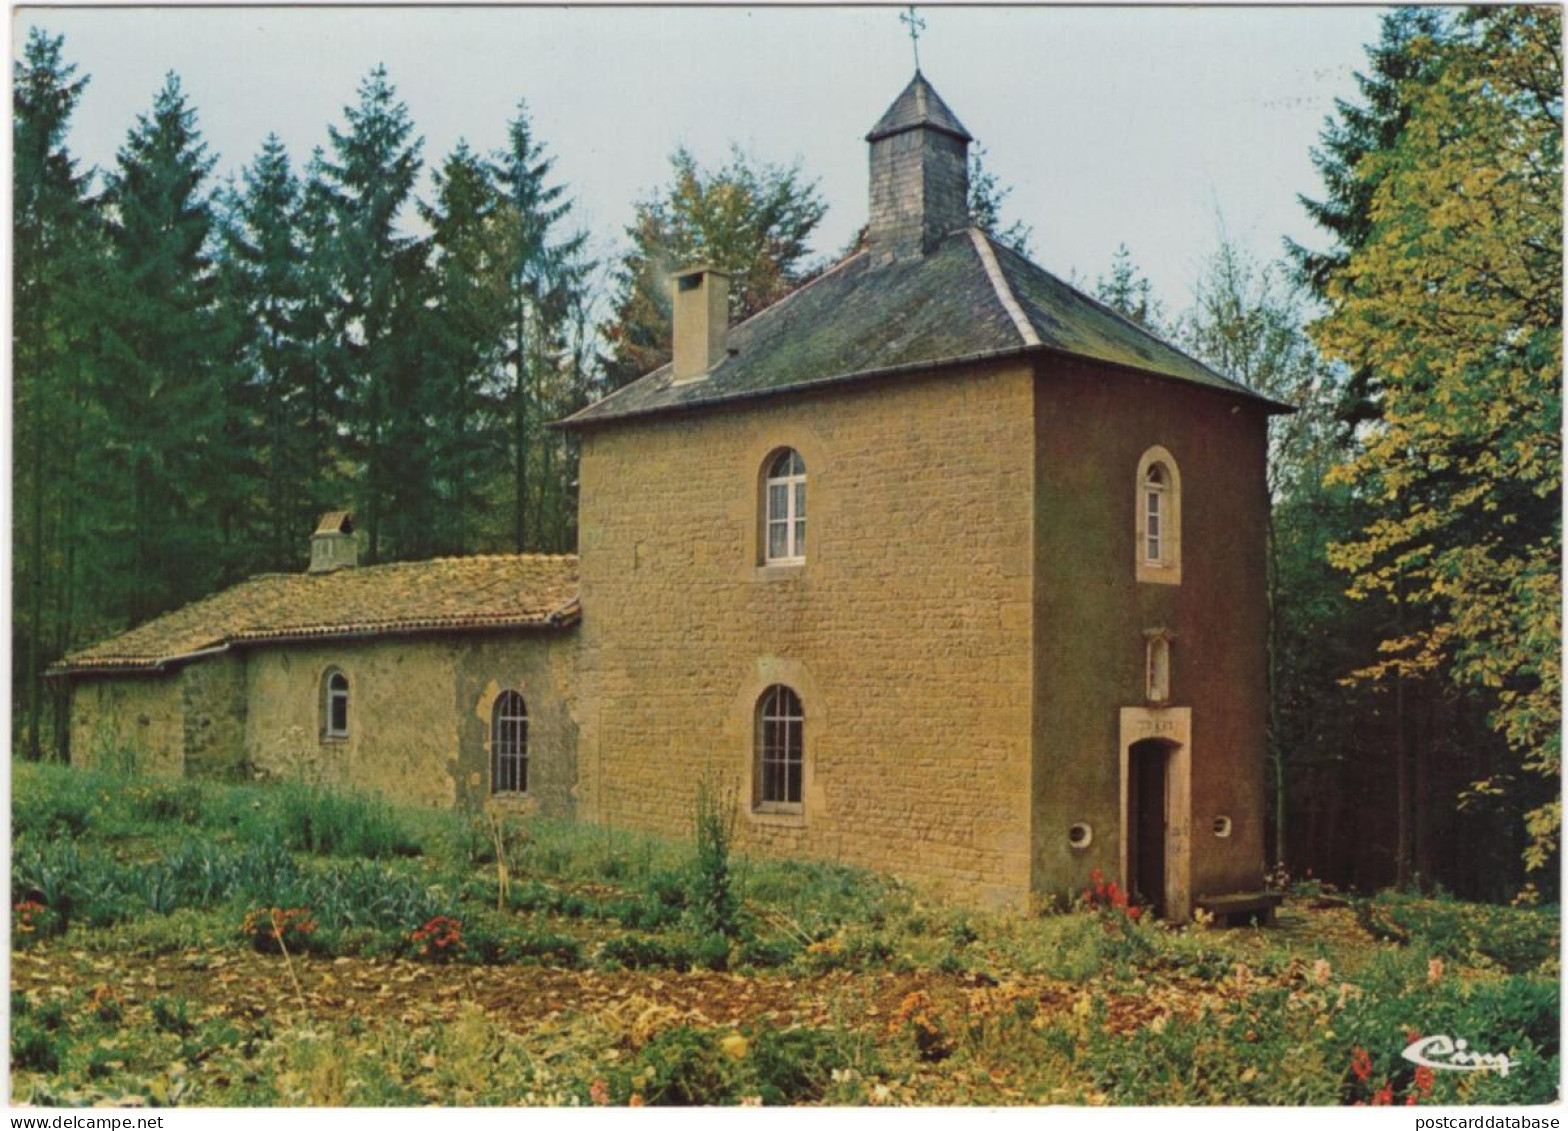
(1000, 685)
(419, 717)
(906, 634)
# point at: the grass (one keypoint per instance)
(544, 962)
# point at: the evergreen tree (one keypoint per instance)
(160, 386)
(465, 325)
(546, 272)
(52, 235)
(749, 219)
(1398, 64)
(986, 196)
(370, 181)
(1128, 292)
(265, 262)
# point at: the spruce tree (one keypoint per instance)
(370, 181)
(160, 388)
(1364, 129)
(466, 324)
(1128, 291)
(264, 254)
(546, 271)
(51, 232)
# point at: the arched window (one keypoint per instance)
(784, 532)
(334, 704)
(509, 744)
(1158, 554)
(780, 750)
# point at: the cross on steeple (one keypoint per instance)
(916, 26)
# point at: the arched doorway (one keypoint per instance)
(1148, 825)
(1156, 808)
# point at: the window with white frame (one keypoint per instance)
(1155, 484)
(334, 704)
(509, 744)
(1158, 554)
(785, 500)
(780, 770)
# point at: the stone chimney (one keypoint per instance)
(702, 314)
(333, 545)
(919, 175)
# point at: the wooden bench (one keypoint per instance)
(1256, 905)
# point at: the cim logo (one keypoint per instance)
(1449, 1055)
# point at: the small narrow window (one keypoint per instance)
(1158, 675)
(334, 723)
(785, 501)
(509, 744)
(780, 749)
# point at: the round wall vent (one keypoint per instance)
(1222, 826)
(1080, 836)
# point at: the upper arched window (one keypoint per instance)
(334, 704)
(781, 750)
(1158, 555)
(784, 533)
(509, 744)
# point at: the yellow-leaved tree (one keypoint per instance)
(1454, 303)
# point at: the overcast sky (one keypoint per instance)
(1110, 124)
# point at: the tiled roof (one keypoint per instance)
(442, 595)
(969, 299)
(918, 105)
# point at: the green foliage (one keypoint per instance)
(714, 905)
(749, 218)
(330, 823)
(643, 952)
(1517, 939)
(987, 195)
(1454, 299)
(172, 1015)
(1128, 292)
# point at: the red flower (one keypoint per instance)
(1384, 1096)
(1361, 1063)
(1425, 1078)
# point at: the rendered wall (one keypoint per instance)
(419, 716)
(906, 632)
(139, 718)
(1091, 612)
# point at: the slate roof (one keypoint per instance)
(918, 105)
(970, 299)
(441, 595)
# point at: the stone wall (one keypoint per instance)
(1091, 614)
(906, 633)
(214, 706)
(419, 716)
(129, 722)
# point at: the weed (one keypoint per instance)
(172, 1015)
(714, 905)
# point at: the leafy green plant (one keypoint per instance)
(328, 823)
(639, 952)
(714, 905)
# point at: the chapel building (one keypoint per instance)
(946, 568)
